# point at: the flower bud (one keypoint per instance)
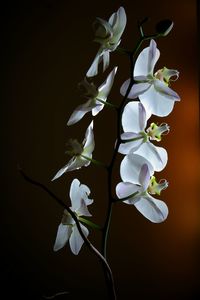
(164, 27)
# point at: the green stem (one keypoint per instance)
(89, 223)
(94, 161)
(107, 228)
(122, 50)
(126, 198)
(107, 103)
(131, 140)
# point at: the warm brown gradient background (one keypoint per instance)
(46, 50)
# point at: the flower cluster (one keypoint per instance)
(142, 157)
(146, 93)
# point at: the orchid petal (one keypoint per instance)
(134, 117)
(118, 23)
(144, 176)
(125, 189)
(126, 147)
(78, 193)
(103, 92)
(84, 193)
(89, 141)
(146, 60)
(157, 103)
(63, 234)
(76, 240)
(99, 106)
(154, 210)
(124, 87)
(106, 59)
(74, 194)
(136, 89)
(74, 164)
(79, 112)
(105, 87)
(93, 70)
(130, 167)
(83, 210)
(157, 156)
(164, 90)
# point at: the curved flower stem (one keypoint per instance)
(131, 140)
(94, 161)
(89, 223)
(106, 103)
(131, 55)
(126, 198)
(105, 265)
(55, 295)
(122, 50)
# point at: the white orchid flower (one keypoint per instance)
(96, 98)
(136, 138)
(151, 87)
(81, 153)
(108, 34)
(138, 192)
(67, 230)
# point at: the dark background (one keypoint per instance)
(46, 49)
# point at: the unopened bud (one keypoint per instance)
(164, 27)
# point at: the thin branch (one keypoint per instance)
(55, 295)
(90, 246)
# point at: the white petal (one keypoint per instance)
(89, 141)
(85, 192)
(134, 117)
(83, 210)
(60, 172)
(74, 194)
(99, 106)
(105, 87)
(104, 91)
(65, 168)
(136, 89)
(124, 87)
(93, 70)
(156, 103)
(164, 90)
(74, 164)
(125, 148)
(146, 60)
(78, 163)
(130, 168)
(157, 156)
(78, 193)
(154, 210)
(79, 113)
(76, 240)
(144, 177)
(125, 189)
(118, 23)
(106, 59)
(63, 234)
